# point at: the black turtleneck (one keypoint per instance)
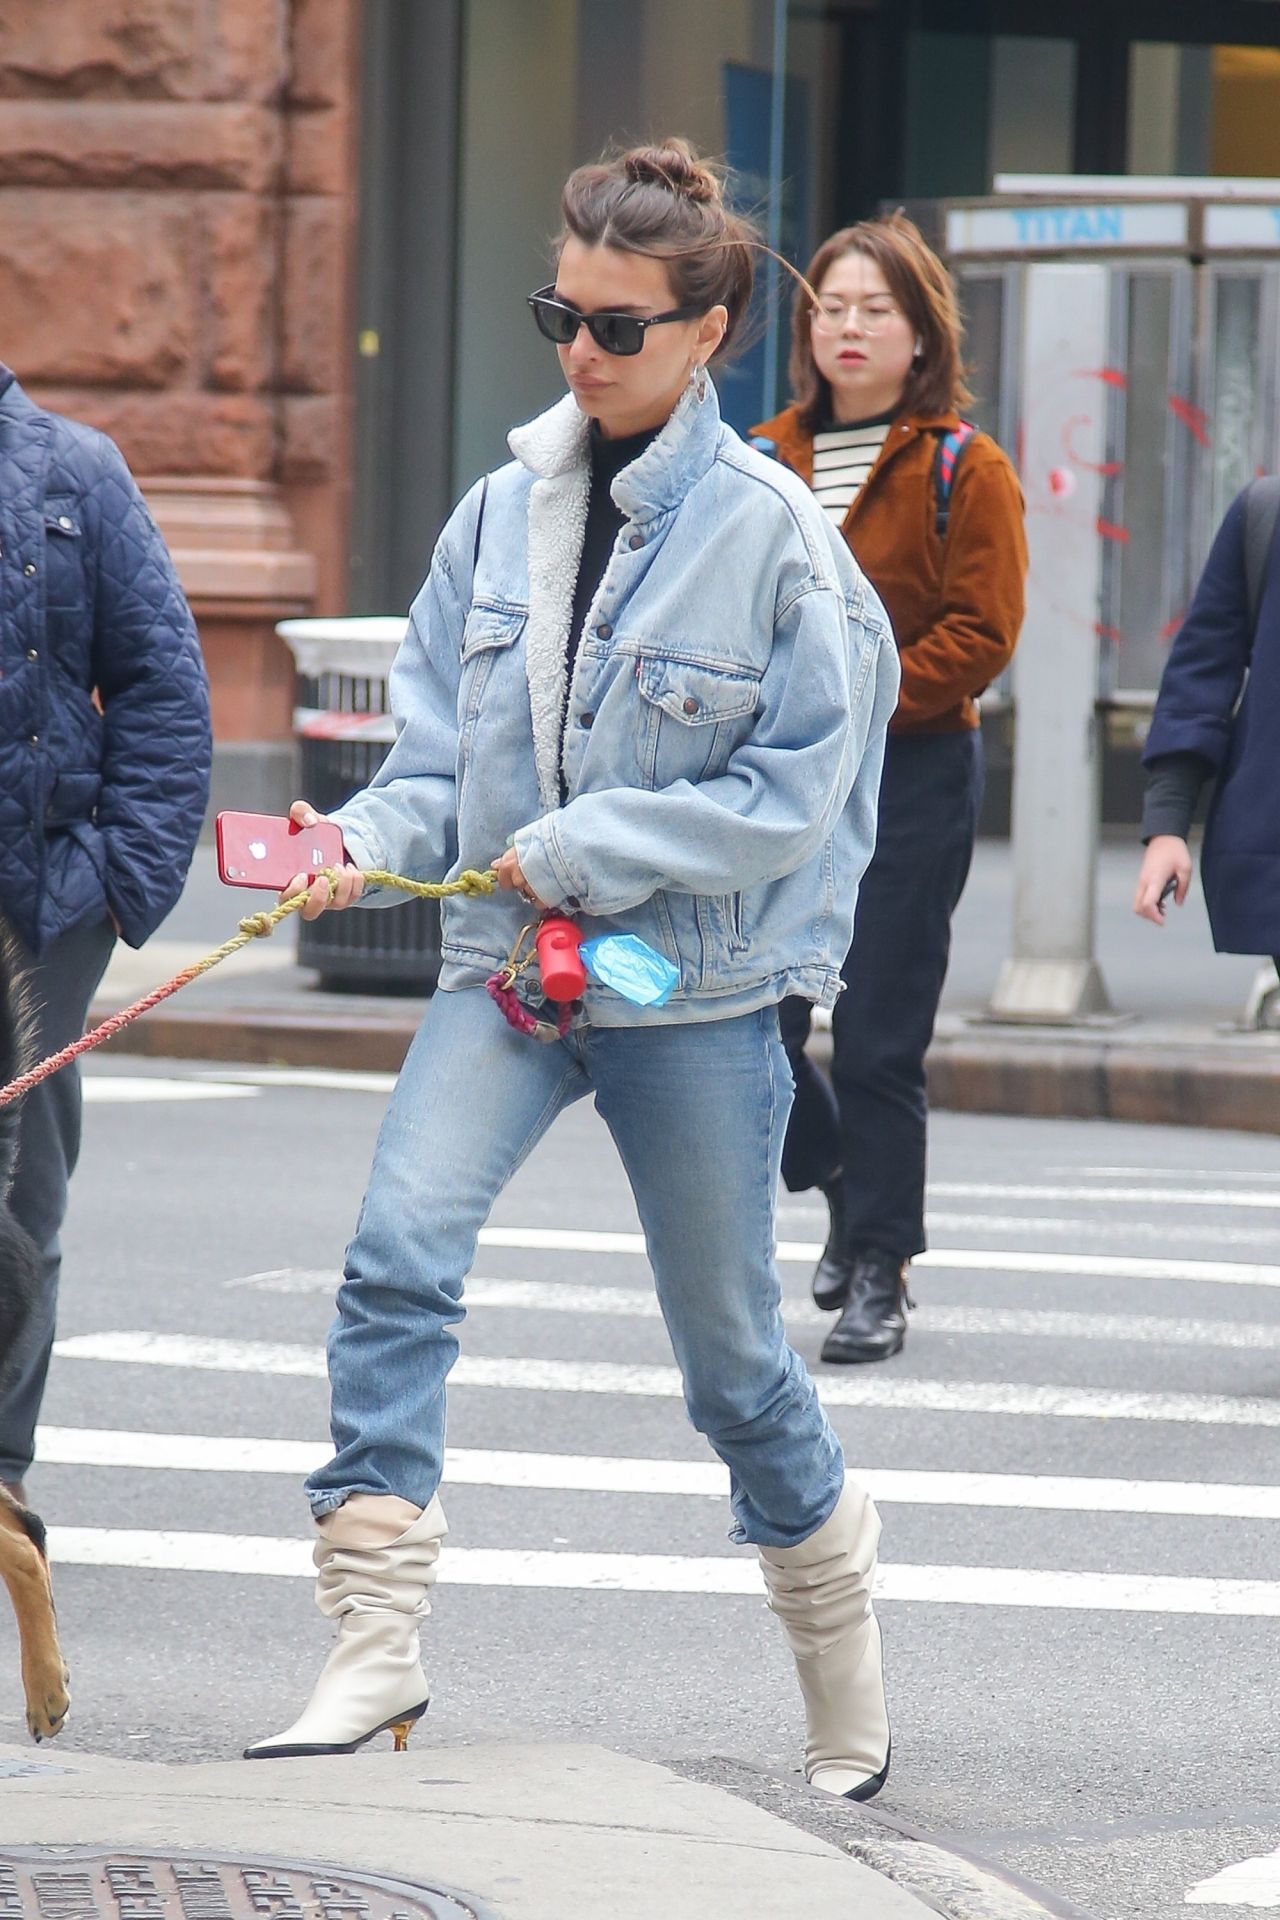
(604, 522)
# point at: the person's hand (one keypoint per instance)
(321, 897)
(1165, 859)
(511, 879)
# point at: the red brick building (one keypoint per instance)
(176, 181)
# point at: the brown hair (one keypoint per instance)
(926, 294)
(666, 202)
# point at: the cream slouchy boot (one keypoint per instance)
(376, 1559)
(821, 1592)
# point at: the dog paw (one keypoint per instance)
(47, 1716)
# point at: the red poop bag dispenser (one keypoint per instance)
(563, 975)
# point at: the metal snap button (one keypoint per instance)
(604, 631)
(586, 719)
(32, 654)
(64, 521)
(33, 740)
(636, 540)
(30, 568)
(691, 705)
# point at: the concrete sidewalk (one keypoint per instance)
(511, 1832)
(1175, 1052)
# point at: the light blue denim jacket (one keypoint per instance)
(713, 788)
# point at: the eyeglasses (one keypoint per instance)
(620, 333)
(832, 315)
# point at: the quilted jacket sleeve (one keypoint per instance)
(150, 679)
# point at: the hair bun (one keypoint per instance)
(676, 166)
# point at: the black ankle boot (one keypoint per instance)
(835, 1269)
(873, 1325)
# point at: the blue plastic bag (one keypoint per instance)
(631, 967)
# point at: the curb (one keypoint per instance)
(1034, 1076)
(354, 1041)
(949, 1881)
(1099, 1079)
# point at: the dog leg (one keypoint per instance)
(25, 1572)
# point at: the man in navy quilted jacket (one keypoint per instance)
(104, 778)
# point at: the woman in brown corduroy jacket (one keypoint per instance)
(877, 375)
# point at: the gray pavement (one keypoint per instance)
(530, 1832)
(1076, 1458)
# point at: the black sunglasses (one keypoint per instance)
(621, 333)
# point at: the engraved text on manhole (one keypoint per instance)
(78, 1883)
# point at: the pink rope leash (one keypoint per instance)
(254, 927)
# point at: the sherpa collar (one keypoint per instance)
(555, 448)
(556, 443)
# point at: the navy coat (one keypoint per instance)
(104, 705)
(1213, 657)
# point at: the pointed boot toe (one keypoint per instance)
(372, 1683)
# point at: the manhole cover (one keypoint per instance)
(90, 1883)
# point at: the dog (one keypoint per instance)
(24, 1562)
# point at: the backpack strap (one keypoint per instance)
(1261, 511)
(946, 461)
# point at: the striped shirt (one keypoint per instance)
(842, 459)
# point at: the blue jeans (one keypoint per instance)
(61, 985)
(871, 1119)
(698, 1113)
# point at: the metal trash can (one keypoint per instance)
(343, 730)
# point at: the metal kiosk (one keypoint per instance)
(1126, 335)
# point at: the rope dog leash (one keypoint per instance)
(255, 926)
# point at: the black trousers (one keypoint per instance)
(869, 1122)
(61, 985)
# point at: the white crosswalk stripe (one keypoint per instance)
(576, 1473)
(516, 1373)
(119, 1090)
(550, 1296)
(951, 1259)
(672, 1573)
(1180, 1196)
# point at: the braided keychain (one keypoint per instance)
(554, 945)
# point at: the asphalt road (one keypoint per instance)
(1088, 1696)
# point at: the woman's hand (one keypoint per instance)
(1165, 859)
(512, 880)
(321, 897)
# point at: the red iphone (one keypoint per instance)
(267, 849)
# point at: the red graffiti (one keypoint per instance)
(1111, 376)
(1110, 531)
(1194, 419)
(1108, 468)
(1111, 634)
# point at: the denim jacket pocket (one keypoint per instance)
(692, 716)
(489, 632)
(488, 636)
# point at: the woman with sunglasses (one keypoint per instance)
(934, 514)
(646, 674)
